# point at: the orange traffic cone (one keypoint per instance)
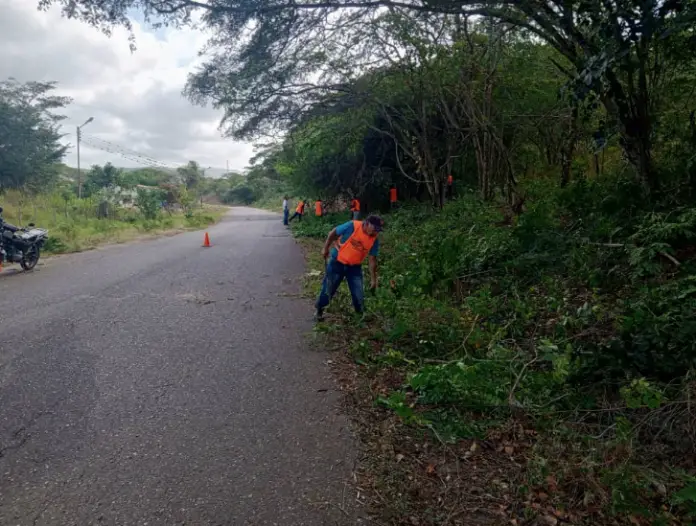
(206, 241)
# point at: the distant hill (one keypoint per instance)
(67, 172)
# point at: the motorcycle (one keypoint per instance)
(21, 245)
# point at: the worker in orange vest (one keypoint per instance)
(355, 209)
(345, 249)
(318, 208)
(299, 210)
(450, 186)
(392, 196)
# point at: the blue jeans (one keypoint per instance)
(286, 214)
(335, 272)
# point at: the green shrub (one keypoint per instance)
(317, 227)
(199, 220)
(55, 245)
(149, 202)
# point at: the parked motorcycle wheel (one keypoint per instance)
(31, 258)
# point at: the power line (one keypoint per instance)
(123, 149)
(113, 151)
(126, 153)
(125, 156)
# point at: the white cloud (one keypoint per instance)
(135, 98)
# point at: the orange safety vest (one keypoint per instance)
(392, 195)
(449, 180)
(357, 247)
(317, 208)
(355, 205)
(300, 207)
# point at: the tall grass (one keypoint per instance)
(74, 224)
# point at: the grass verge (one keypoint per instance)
(74, 227)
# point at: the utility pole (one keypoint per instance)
(228, 168)
(202, 182)
(79, 172)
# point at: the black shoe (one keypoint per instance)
(318, 316)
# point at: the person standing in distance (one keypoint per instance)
(357, 240)
(392, 197)
(286, 210)
(355, 209)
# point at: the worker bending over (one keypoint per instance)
(298, 211)
(345, 249)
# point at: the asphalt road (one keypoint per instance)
(163, 383)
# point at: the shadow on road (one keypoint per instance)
(10, 272)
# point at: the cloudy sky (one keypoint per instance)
(135, 98)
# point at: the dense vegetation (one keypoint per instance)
(575, 323)
(549, 307)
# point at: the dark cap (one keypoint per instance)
(376, 221)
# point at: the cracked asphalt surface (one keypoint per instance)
(163, 383)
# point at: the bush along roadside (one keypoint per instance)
(78, 235)
(531, 369)
(74, 226)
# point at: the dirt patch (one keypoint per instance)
(407, 476)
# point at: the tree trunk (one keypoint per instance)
(565, 170)
(638, 151)
(569, 148)
(633, 113)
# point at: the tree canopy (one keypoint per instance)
(190, 175)
(269, 61)
(145, 177)
(30, 147)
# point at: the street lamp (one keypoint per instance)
(79, 173)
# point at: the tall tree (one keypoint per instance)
(191, 175)
(30, 147)
(269, 60)
(103, 177)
